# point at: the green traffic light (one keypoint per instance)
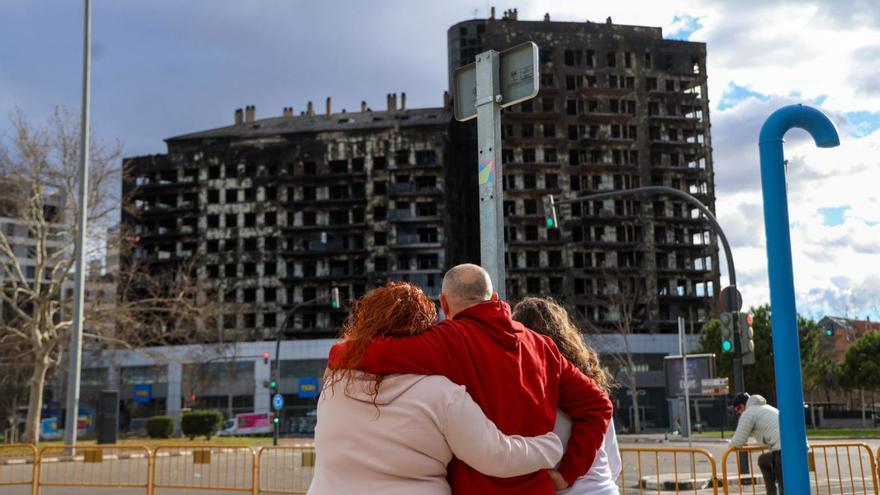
(273, 384)
(275, 420)
(726, 346)
(829, 333)
(549, 222)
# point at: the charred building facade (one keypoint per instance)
(619, 107)
(279, 211)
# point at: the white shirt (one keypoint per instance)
(601, 479)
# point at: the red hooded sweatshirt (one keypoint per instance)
(517, 377)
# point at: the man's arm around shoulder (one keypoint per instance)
(590, 411)
(431, 352)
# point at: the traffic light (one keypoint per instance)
(334, 298)
(727, 324)
(275, 420)
(829, 332)
(273, 384)
(746, 338)
(265, 358)
(550, 220)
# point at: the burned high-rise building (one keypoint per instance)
(619, 107)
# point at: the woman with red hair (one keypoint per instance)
(396, 434)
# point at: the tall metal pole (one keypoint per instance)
(75, 353)
(682, 346)
(490, 168)
(786, 352)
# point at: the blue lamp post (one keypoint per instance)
(786, 354)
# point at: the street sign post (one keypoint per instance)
(715, 386)
(480, 90)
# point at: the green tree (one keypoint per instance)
(760, 377)
(861, 367)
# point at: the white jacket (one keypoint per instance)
(601, 479)
(401, 444)
(760, 421)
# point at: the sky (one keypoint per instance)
(163, 68)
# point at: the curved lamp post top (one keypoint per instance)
(819, 126)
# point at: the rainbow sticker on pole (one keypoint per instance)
(487, 172)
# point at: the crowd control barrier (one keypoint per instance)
(835, 468)
(667, 470)
(286, 470)
(204, 468)
(104, 468)
(18, 467)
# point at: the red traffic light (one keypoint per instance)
(265, 358)
(749, 319)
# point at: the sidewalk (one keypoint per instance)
(668, 437)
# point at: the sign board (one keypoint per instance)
(724, 300)
(700, 367)
(307, 388)
(277, 402)
(715, 386)
(49, 429)
(519, 80)
(143, 393)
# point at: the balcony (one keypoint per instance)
(410, 188)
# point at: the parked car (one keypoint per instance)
(248, 424)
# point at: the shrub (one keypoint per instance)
(201, 423)
(160, 427)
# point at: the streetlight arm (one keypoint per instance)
(731, 272)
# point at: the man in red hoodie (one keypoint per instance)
(516, 376)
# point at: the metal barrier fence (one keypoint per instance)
(835, 468)
(843, 468)
(744, 483)
(204, 468)
(692, 470)
(18, 466)
(286, 469)
(105, 468)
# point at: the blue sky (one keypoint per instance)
(163, 68)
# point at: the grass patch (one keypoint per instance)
(215, 441)
(817, 433)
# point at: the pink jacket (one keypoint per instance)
(403, 444)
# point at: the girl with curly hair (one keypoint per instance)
(546, 317)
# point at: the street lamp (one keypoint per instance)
(550, 203)
(274, 387)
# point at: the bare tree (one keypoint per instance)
(14, 373)
(38, 177)
(623, 295)
(38, 208)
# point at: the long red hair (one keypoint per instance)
(397, 309)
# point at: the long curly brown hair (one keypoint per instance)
(546, 317)
(397, 309)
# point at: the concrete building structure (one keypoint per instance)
(838, 333)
